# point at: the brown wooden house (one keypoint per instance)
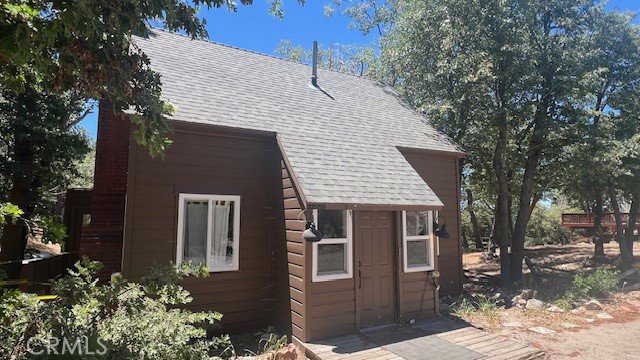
(259, 151)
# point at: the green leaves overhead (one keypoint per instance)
(85, 46)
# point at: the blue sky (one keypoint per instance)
(252, 28)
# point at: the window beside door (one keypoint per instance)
(209, 230)
(332, 256)
(417, 241)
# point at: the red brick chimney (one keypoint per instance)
(102, 239)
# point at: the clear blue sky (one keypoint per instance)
(252, 28)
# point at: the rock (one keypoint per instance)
(542, 330)
(512, 324)
(593, 304)
(289, 352)
(589, 320)
(578, 310)
(604, 316)
(527, 294)
(568, 325)
(535, 304)
(555, 309)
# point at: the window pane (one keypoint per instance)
(195, 231)
(417, 223)
(332, 223)
(222, 233)
(417, 253)
(332, 259)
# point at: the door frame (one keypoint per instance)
(357, 258)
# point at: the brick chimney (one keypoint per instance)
(102, 240)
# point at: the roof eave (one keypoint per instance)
(455, 153)
(374, 207)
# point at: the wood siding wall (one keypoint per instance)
(292, 279)
(207, 160)
(441, 172)
(331, 306)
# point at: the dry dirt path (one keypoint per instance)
(571, 335)
(620, 341)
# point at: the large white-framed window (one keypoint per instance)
(417, 241)
(333, 255)
(209, 230)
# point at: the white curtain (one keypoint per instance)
(195, 231)
(220, 233)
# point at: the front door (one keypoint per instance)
(375, 260)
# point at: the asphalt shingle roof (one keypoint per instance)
(341, 150)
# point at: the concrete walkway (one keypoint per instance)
(434, 339)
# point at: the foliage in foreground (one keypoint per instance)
(598, 284)
(120, 319)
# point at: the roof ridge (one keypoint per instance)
(208, 40)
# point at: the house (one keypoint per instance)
(258, 153)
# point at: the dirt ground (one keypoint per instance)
(610, 333)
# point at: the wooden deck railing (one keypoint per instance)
(586, 220)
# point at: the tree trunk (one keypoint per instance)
(525, 205)
(631, 226)
(620, 230)
(598, 239)
(465, 241)
(502, 226)
(14, 234)
(477, 238)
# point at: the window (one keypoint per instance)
(209, 230)
(332, 256)
(417, 240)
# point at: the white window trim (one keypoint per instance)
(235, 265)
(348, 241)
(429, 237)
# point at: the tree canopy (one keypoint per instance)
(86, 46)
(541, 94)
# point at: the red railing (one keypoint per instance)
(586, 220)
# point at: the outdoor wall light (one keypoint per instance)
(311, 234)
(441, 230)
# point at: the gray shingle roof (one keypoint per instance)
(341, 150)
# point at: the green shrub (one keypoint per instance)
(118, 320)
(545, 227)
(272, 342)
(478, 304)
(599, 283)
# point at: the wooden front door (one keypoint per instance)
(375, 260)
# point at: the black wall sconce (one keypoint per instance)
(311, 234)
(441, 230)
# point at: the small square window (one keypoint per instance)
(332, 224)
(332, 259)
(417, 253)
(417, 223)
(208, 230)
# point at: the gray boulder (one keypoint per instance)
(535, 304)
